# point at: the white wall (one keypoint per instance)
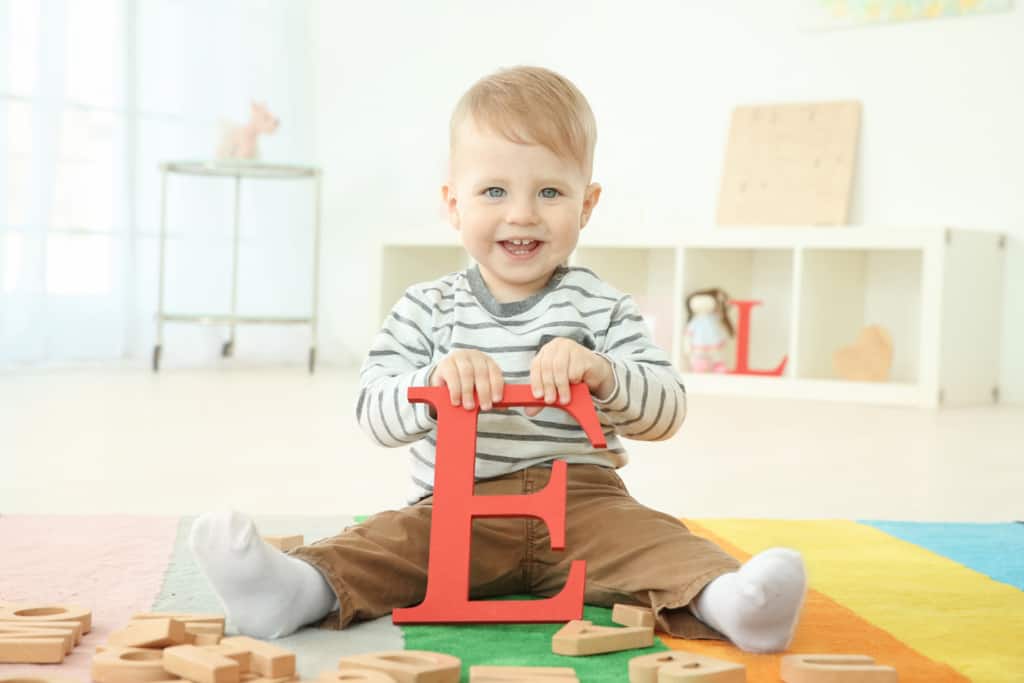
(942, 140)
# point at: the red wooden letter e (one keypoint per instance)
(455, 506)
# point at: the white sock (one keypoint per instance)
(265, 593)
(758, 606)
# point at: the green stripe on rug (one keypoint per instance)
(523, 645)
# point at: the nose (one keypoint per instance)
(522, 212)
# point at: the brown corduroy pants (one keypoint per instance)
(634, 555)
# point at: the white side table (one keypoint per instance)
(238, 170)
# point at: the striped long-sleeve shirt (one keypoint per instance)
(458, 312)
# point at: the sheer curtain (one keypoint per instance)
(93, 96)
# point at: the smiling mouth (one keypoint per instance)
(520, 247)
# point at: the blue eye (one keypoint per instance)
(549, 193)
(494, 192)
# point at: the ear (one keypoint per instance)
(450, 202)
(590, 198)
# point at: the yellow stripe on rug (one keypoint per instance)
(825, 626)
(936, 606)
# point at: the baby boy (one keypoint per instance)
(519, 193)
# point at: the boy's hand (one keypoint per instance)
(562, 362)
(464, 370)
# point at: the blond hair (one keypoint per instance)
(532, 105)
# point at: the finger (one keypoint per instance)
(560, 375)
(497, 382)
(530, 411)
(547, 376)
(482, 380)
(577, 367)
(450, 375)
(536, 380)
(465, 367)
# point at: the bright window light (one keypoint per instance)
(14, 256)
(79, 265)
(23, 51)
(94, 52)
(18, 147)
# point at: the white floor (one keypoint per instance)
(277, 441)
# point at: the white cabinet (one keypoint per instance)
(938, 292)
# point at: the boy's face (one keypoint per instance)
(519, 208)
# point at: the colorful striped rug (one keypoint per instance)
(940, 602)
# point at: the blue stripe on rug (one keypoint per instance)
(995, 550)
(185, 589)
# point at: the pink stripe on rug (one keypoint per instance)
(112, 565)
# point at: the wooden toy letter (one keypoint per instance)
(455, 506)
(743, 343)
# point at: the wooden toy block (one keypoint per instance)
(285, 543)
(683, 667)
(830, 668)
(19, 649)
(200, 665)
(186, 617)
(42, 612)
(522, 674)
(267, 660)
(257, 678)
(204, 639)
(154, 633)
(115, 664)
(74, 626)
(578, 638)
(633, 615)
(242, 655)
(15, 632)
(355, 676)
(407, 666)
(208, 627)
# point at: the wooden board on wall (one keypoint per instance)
(790, 164)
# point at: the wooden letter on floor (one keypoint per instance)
(129, 665)
(41, 613)
(683, 667)
(268, 660)
(154, 633)
(633, 615)
(835, 669)
(522, 674)
(407, 666)
(583, 638)
(355, 676)
(201, 665)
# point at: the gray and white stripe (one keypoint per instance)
(458, 312)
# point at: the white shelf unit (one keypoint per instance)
(937, 291)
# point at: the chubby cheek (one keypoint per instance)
(565, 220)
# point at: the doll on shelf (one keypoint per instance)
(708, 330)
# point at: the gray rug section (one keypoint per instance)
(185, 589)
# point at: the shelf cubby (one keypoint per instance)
(643, 273)
(937, 291)
(844, 290)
